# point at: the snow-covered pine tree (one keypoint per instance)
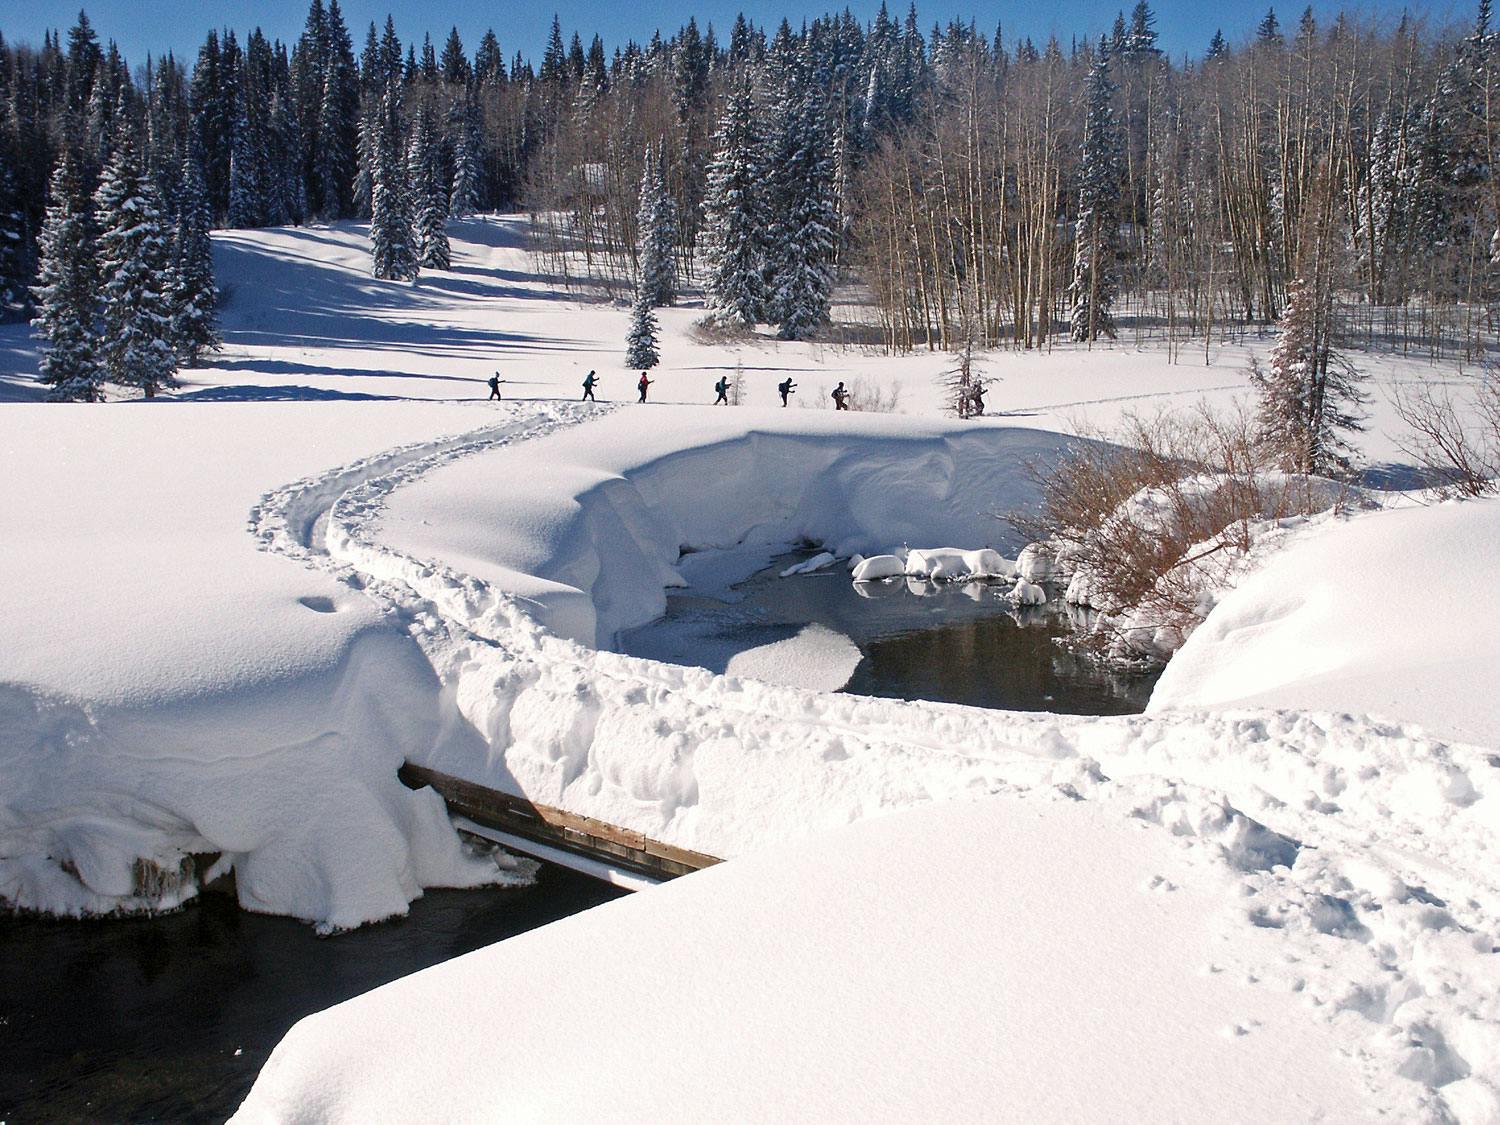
(392, 246)
(640, 342)
(1097, 231)
(463, 125)
(735, 216)
(135, 305)
(804, 227)
(246, 190)
(193, 293)
(67, 291)
(656, 234)
(338, 117)
(14, 255)
(424, 179)
(1306, 393)
(364, 179)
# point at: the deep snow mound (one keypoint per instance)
(1389, 613)
(176, 703)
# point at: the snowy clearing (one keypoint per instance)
(230, 621)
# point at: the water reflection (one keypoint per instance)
(919, 639)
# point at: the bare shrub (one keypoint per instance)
(864, 394)
(1458, 443)
(710, 331)
(1151, 518)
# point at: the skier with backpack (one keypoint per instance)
(643, 385)
(495, 385)
(722, 386)
(786, 388)
(840, 397)
(588, 387)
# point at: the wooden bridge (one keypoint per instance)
(558, 828)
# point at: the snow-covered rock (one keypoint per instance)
(1034, 563)
(877, 567)
(1028, 593)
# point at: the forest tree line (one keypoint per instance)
(979, 190)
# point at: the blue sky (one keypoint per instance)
(141, 26)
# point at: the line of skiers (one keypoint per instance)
(786, 388)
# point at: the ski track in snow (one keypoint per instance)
(1367, 844)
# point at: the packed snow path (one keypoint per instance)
(1369, 845)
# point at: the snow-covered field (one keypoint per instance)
(231, 614)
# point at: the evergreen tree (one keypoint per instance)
(735, 216)
(1306, 394)
(15, 267)
(246, 187)
(193, 293)
(67, 291)
(454, 63)
(1097, 231)
(338, 118)
(395, 257)
(135, 263)
(656, 235)
(640, 342)
(467, 157)
(424, 180)
(803, 231)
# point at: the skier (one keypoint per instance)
(588, 387)
(722, 386)
(495, 385)
(643, 384)
(840, 397)
(976, 400)
(786, 388)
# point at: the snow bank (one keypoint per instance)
(1051, 956)
(593, 544)
(168, 690)
(1393, 613)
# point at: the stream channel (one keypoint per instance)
(171, 1018)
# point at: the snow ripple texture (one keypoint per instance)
(1368, 845)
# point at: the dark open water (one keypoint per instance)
(170, 1019)
(946, 642)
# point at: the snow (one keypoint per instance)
(169, 689)
(229, 621)
(1389, 613)
(1001, 953)
(816, 658)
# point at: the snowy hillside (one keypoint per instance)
(233, 612)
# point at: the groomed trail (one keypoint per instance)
(1369, 846)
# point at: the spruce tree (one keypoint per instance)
(394, 252)
(246, 186)
(338, 118)
(429, 197)
(735, 216)
(1306, 394)
(640, 342)
(193, 293)
(135, 263)
(14, 252)
(67, 291)
(803, 235)
(467, 155)
(1097, 231)
(656, 235)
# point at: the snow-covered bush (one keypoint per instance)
(1151, 524)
